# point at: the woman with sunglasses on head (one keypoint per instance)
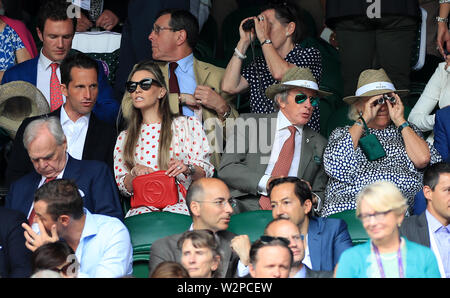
(380, 145)
(155, 139)
(381, 207)
(279, 30)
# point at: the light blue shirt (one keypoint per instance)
(442, 239)
(105, 248)
(186, 79)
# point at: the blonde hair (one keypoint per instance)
(382, 196)
(133, 118)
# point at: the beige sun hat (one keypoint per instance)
(294, 78)
(20, 100)
(373, 82)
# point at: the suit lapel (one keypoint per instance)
(306, 151)
(201, 72)
(91, 137)
(422, 230)
(314, 243)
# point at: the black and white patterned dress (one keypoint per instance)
(350, 171)
(259, 78)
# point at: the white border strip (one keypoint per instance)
(303, 83)
(374, 86)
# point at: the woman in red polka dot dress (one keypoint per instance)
(155, 139)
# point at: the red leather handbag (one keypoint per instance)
(156, 189)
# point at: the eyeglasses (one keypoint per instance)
(384, 98)
(301, 98)
(158, 29)
(269, 239)
(145, 84)
(377, 216)
(221, 203)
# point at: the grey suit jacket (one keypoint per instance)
(248, 151)
(415, 228)
(166, 249)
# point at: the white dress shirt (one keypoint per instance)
(281, 135)
(44, 73)
(75, 133)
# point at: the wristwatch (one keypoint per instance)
(443, 20)
(266, 41)
(227, 113)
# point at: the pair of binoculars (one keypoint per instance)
(383, 99)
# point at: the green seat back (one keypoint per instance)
(355, 227)
(148, 227)
(140, 265)
(251, 223)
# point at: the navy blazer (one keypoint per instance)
(98, 145)
(15, 258)
(442, 145)
(106, 108)
(93, 178)
(327, 239)
(442, 132)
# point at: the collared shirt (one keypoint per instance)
(186, 79)
(44, 73)
(281, 135)
(105, 248)
(75, 133)
(301, 273)
(441, 235)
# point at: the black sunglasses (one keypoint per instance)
(145, 84)
(301, 98)
(268, 239)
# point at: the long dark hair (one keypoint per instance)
(133, 118)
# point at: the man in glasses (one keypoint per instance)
(210, 206)
(194, 85)
(88, 138)
(278, 144)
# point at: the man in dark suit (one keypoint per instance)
(326, 238)
(210, 207)
(56, 31)
(252, 160)
(432, 227)
(46, 144)
(15, 258)
(88, 137)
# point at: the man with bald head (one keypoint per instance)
(287, 229)
(46, 145)
(210, 206)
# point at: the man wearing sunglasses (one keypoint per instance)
(261, 147)
(194, 85)
(210, 206)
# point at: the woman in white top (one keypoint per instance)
(436, 92)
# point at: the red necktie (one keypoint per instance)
(56, 99)
(173, 80)
(282, 165)
(33, 214)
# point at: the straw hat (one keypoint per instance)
(20, 100)
(373, 82)
(294, 78)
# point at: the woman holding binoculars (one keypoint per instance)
(279, 31)
(380, 145)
